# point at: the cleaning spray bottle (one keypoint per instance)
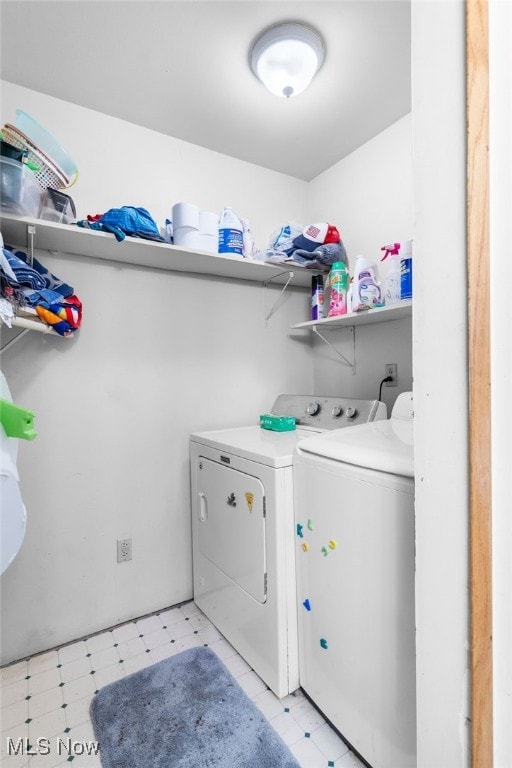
(367, 291)
(392, 279)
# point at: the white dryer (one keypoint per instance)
(243, 530)
(354, 508)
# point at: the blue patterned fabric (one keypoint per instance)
(38, 276)
(25, 275)
(127, 220)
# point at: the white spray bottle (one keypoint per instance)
(392, 279)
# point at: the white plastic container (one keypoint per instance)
(57, 206)
(230, 233)
(19, 191)
(392, 282)
(367, 292)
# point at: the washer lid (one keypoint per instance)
(386, 446)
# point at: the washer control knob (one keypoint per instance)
(337, 411)
(351, 412)
(313, 409)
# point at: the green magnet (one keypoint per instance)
(323, 643)
(310, 525)
(325, 551)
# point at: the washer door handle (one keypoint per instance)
(203, 507)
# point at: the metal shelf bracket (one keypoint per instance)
(278, 300)
(14, 340)
(349, 363)
(31, 233)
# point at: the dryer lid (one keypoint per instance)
(275, 449)
(386, 446)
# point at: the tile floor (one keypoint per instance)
(48, 696)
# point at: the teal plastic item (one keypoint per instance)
(17, 422)
(277, 423)
(44, 140)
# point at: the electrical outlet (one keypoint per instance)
(390, 369)
(124, 550)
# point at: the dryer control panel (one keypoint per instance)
(329, 412)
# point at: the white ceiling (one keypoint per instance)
(182, 68)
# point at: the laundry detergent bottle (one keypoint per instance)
(231, 238)
(367, 290)
(338, 284)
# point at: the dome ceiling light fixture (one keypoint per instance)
(286, 57)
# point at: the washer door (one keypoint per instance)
(231, 525)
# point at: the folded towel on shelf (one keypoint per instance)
(49, 280)
(24, 274)
(5, 267)
(44, 297)
(53, 300)
(64, 317)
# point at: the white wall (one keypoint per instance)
(369, 196)
(500, 55)
(440, 382)
(124, 164)
(159, 355)
(368, 193)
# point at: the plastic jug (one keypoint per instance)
(230, 233)
(367, 290)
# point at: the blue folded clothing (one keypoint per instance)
(25, 275)
(46, 297)
(36, 276)
(127, 220)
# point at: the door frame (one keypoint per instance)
(480, 497)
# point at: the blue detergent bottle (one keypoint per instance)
(231, 238)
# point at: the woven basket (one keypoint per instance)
(49, 174)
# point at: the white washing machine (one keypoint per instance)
(354, 509)
(243, 530)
